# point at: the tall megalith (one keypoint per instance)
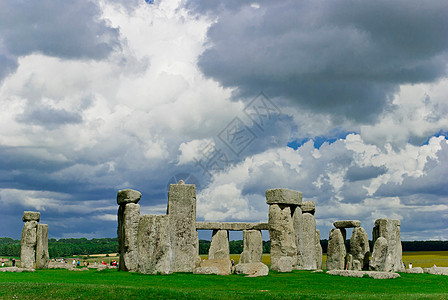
(309, 259)
(219, 246)
(336, 251)
(253, 247)
(359, 249)
(128, 219)
(34, 242)
(42, 255)
(389, 229)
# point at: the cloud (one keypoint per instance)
(343, 57)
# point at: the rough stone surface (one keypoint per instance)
(253, 247)
(59, 265)
(237, 226)
(182, 216)
(128, 196)
(436, 270)
(336, 251)
(308, 207)
(219, 246)
(359, 249)
(347, 224)
(298, 229)
(318, 248)
(31, 216)
(28, 244)
(416, 270)
(42, 256)
(309, 260)
(379, 255)
(16, 269)
(128, 218)
(283, 237)
(220, 266)
(390, 230)
(154, 247)
(374, 275)
(253, 269)
(283, 196)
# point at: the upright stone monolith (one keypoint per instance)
(253, 247)
(336, 250)
(318, 247)
(42, 255)
(283, 229)
(28, 244)
(359, 249)
(390, 230)
(309, 260)
(219, 246)
(128, 219)
(379, 255)
(182, 218)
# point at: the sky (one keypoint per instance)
(344, 101)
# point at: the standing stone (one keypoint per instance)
(359, 248)
(298, 229)
(42, 256)
(336, 250)
(253, 247)
(309, 242)
(182, 216)
(318, 250)
(283, 228)
(390, 230)
(379, 255)
(28, 244)
(154, 247)
(128, 219)
(219, 247)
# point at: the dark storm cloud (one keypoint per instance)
(356, 173)
(344, 57)
(67, 29)
(49, 117)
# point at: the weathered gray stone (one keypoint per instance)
(128, 219)
(336, 251)
(253, 247)
(42, 256)
(298, 229)
(128, 196)
(237, 226)
(349, 262)
(379, 255)
(16, 269)
(182, 215)
(284, 264)
(220, 266)
(360, 274)
(219, 246)
(436, 270)
(253, 269)
(283, 196)
(416, 270)
(309, 260)
(347, 224)
(318, 250)
(359, 248)
(283, 236)
(154, 247)
(31, 216)
(28, 244)
(308, 207)
(390, 230)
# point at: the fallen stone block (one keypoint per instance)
(254, 269)
(360, 274)
(436, 270)
(219, 266)
(416, 270)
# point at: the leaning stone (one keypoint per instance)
(28, 244)
(128, 219)
(219, 246)
(42, 256)
(416, 270)
(253, 247)
(31, 216)
(283, 236)
(309, 260)
(182, 214)
(359, 248)
(308, 207)
(220, 266)
(336, 251)
(347, 224)
(154, 248)
(128, 196)
(283, 196)
(379, 255)
(253, 269)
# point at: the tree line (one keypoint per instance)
(83, 246)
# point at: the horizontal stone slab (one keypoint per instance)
(31, 216)
(347, 224)
(236, 226)
(384, 221)
(283, 196)
(360, 274)
(308, 207)
(128, 196)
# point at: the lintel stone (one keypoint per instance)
(308, 207)
(283, 196)
(128, 196)
(235, 226)
(347, 224)
(31, 216)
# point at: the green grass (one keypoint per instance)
(111, 284)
